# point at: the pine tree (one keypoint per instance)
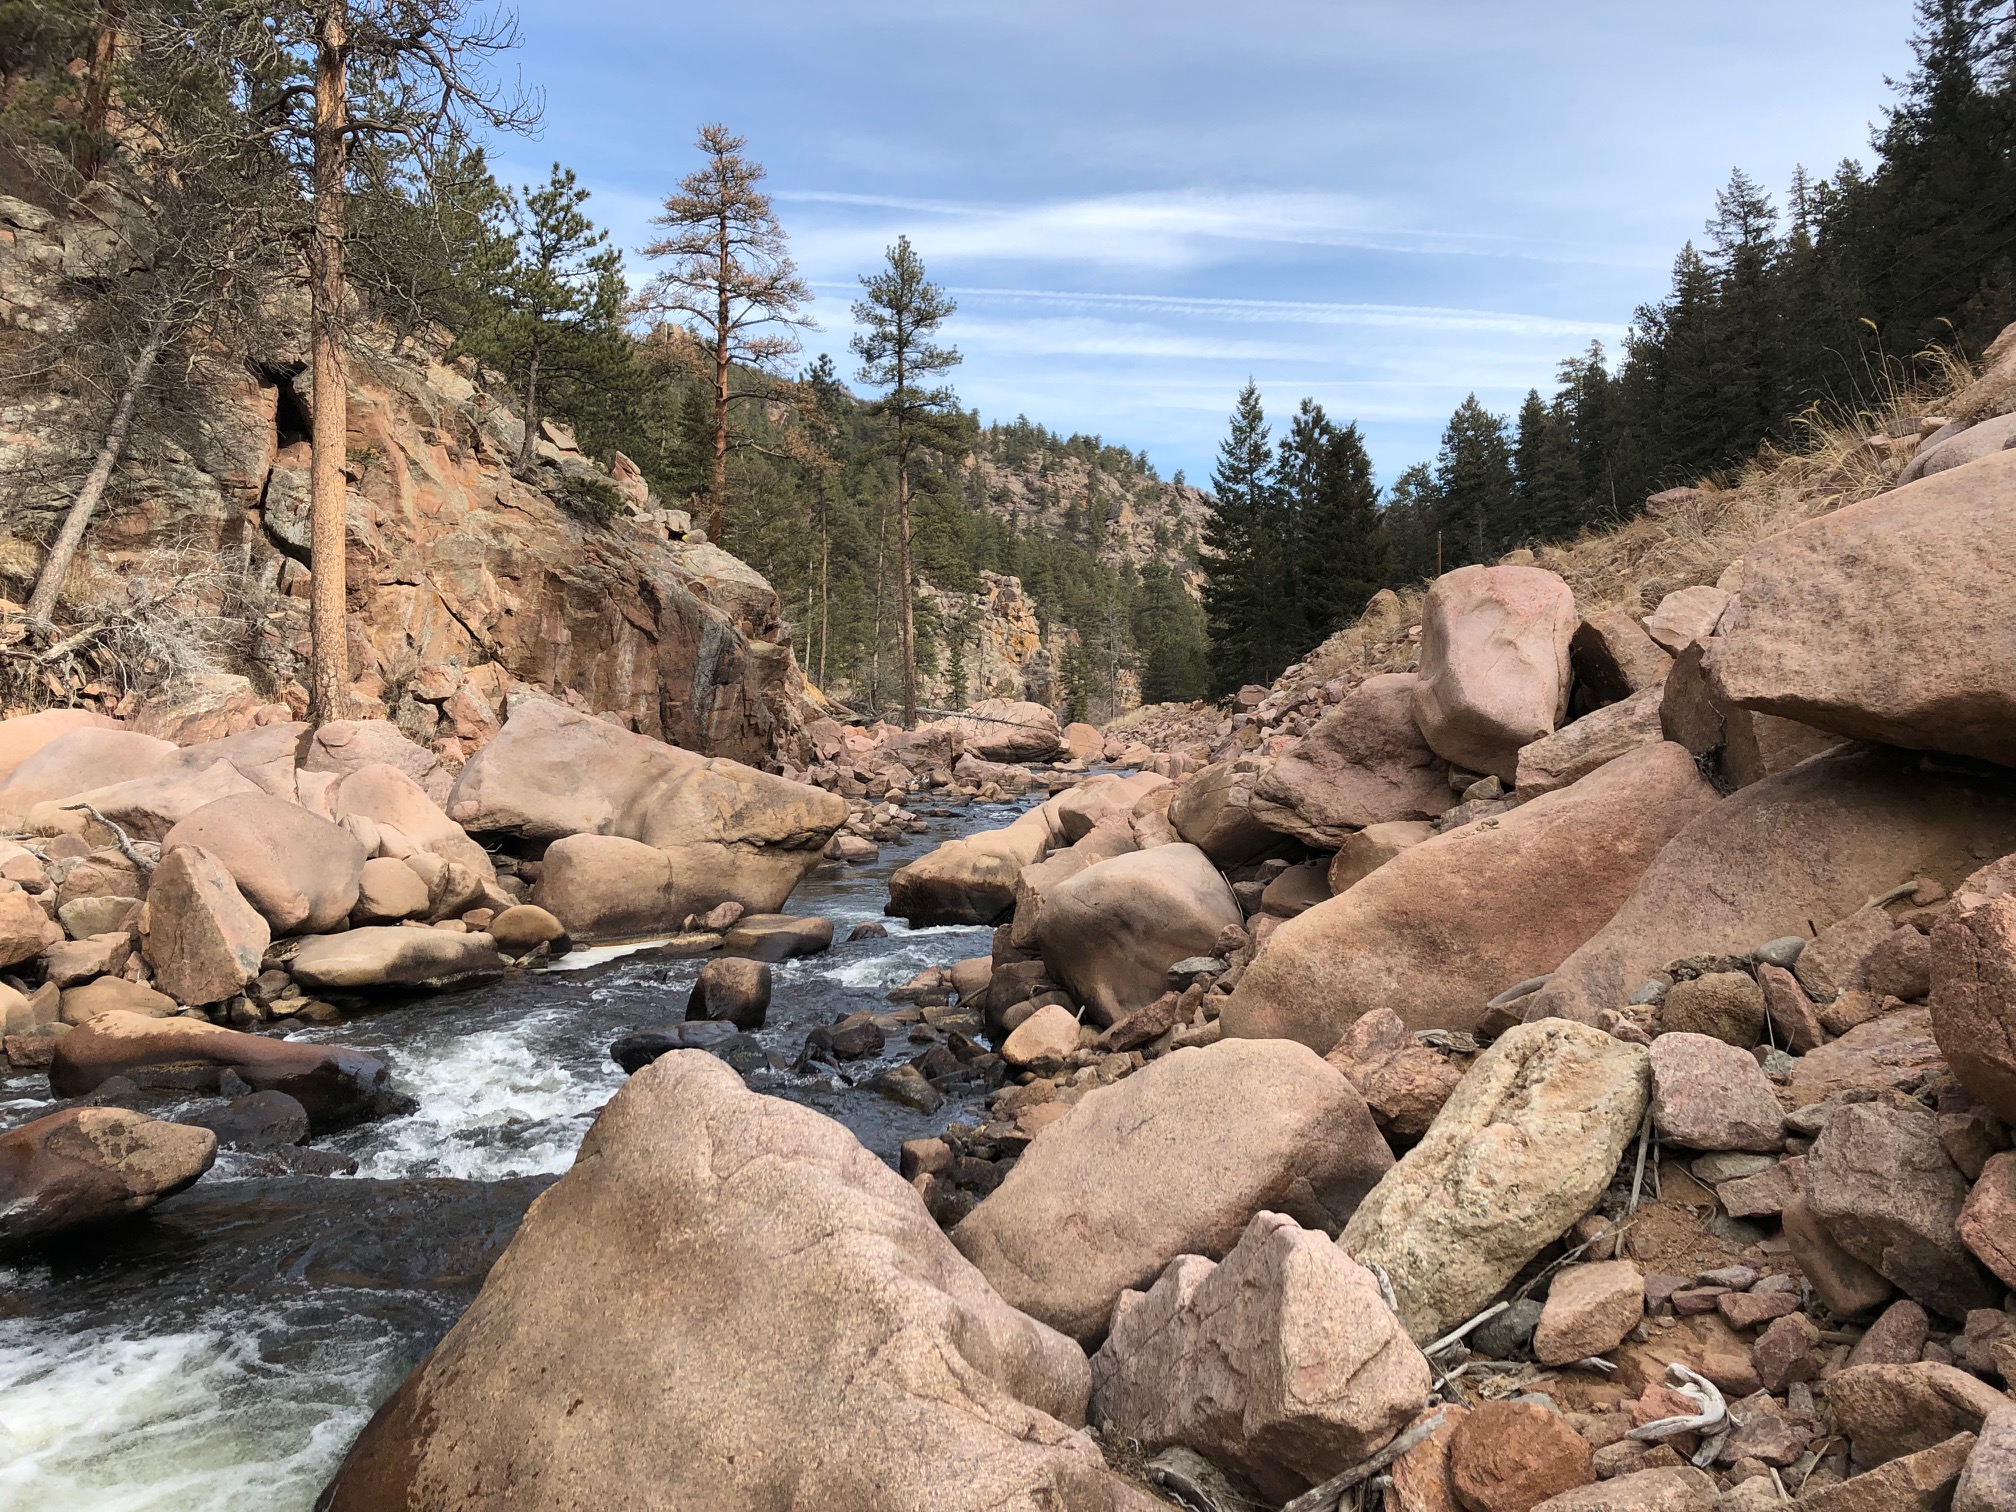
(898, 321)
(1746, 341)
(1473, 485)
(1334, 555)
(732, 286)
(563, 297)
(1407, 524)
(1241, 543)
(1547, 480)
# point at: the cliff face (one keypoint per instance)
(1123, 515)
(464, 579)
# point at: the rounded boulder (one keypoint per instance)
(297, 869)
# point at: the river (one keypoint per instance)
(221, 1353)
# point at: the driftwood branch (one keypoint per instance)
(1325, 1497)
(1460, 1332)
(1696, 1388)
(119, 836)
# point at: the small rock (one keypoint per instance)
(868, 929)
(1512, 1456)
(778, 937)
(1987, 1221)
(1045, 1039)
(1786, 1352)
(524, 927)
(1889, 1411)
(1725, 1005)
(1709, 1095)
(258, 1121)
(1511, 1332)
(1988, 1484)
(1921, 1482)
(86, 1166)
(1281, 1362)
(1881, 1182)
(1589, 1311)
(1897, 1337)
(1782, 952)
(734, 989)
(853, 1038)
(1792, 1017)
(1748, 1309)
(907, 1085)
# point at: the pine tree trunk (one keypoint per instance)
(329, 653)
(881, 595)
(717, 505)
(49, 586)
(98, 90)
(825, 591)
(905, 621)
(528, 449)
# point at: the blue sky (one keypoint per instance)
(1381, 205)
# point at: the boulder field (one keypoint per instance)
(1616, 1012)
(1566, 1063)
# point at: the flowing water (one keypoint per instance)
(221, 1353)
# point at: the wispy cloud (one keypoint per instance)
(1159, 230)
(1297, 312)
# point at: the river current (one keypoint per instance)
(221, 1353)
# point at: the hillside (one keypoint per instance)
(1059, 569)
(1684, 537)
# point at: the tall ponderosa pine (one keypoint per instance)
(732, 286)
(353, 94)
(899, 322)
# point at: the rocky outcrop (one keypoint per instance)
(297, 869)
(382, 957)
(1882, 1182)
(463, 575)
(1579, 748)
(1214, 812)
(1007, 729)
(202, 939)
(1973, 999)
(970, 881)
(1521, 1150)
(1445, 926)
(1812, 844)
(24, 735)
(1175, 1159)
(769, 1296)
(80, 757)
(1889, 619)
(722, 831)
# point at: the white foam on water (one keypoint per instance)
(491, 1106)
(583, 956)
(190, 1421)
(893, 965)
